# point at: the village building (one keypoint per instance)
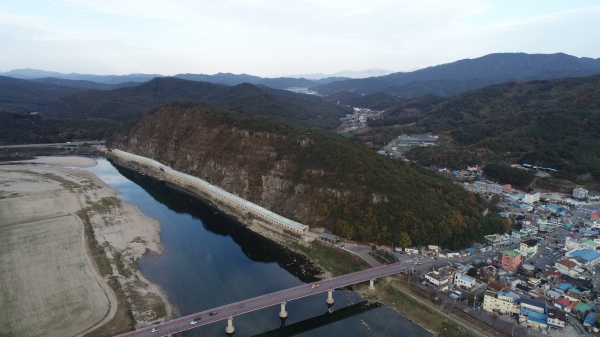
(500, 302)
(510, 259)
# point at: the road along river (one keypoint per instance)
(209, 260)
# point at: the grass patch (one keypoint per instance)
(334, 260)
(105, 204)
(96, 250)
(417, 312)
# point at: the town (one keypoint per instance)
(542, 276)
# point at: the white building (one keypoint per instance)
(532, 197)
(580, 193)
(501, 302)
(464, 281)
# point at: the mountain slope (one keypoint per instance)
(553, 123)
(470, 74)
(313, 176)
(82, 85)
(18, 128)
(18, 95)
(133, 102)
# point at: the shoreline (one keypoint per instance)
(315, 251)
(114, 235)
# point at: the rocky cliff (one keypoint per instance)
(310, 175)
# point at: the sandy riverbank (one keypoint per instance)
(68, 243)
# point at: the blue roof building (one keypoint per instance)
(591, 257)
(564, 286)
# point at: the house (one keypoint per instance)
(564, 304)
(590, 319)
(510, 259)
(441, 278)
(411, 251)
(531, 197)
(513, 282)
(532, 305)
(556, 318)
(533, 319)
(519, 234)
(591, 257)
(566, 267)
(580, 193)
(489, 272)
(588, 244)
(572, 243)
(498, 240)
(500, 302)
(581, 309)
(529, 247)
(464, 281)
(497, 286)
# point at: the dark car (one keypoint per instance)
(214, 313)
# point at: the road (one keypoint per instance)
(264, 301)
(71, 144)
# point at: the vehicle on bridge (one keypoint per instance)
(316, 285)
(154, 330)
(214, 313)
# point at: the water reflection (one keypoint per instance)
(210, 260)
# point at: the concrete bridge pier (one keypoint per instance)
(329, 297)
(230, 329)
(283, 313)
(372, 284)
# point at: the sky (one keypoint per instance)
(277, 37)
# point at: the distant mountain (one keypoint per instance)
(452, 78)
(117, 81)
(21, 96)
(346, 74)
(80, 84)
(30, 74)
(132, 102)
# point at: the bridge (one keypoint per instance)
(229, 311)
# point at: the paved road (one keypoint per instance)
(239, 308)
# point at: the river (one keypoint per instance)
(209, 260)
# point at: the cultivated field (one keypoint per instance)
(46, 279)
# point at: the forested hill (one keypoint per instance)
(133, 102)
(460, 76)
(18, 95)
(311, 175)
(554, 123)
(19, 128)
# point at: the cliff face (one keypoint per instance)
(312, 176)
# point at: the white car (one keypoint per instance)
(154, 330)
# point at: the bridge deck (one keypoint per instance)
(263, 301)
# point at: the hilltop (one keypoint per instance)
(133, 102)
(464, 75)
(310, 175)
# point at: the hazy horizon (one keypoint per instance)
(270, 38)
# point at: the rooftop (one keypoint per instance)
(510, 252)
(586, 254)
(530, 243)
(567, 263)
(582, 307)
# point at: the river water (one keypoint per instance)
(209, 260)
